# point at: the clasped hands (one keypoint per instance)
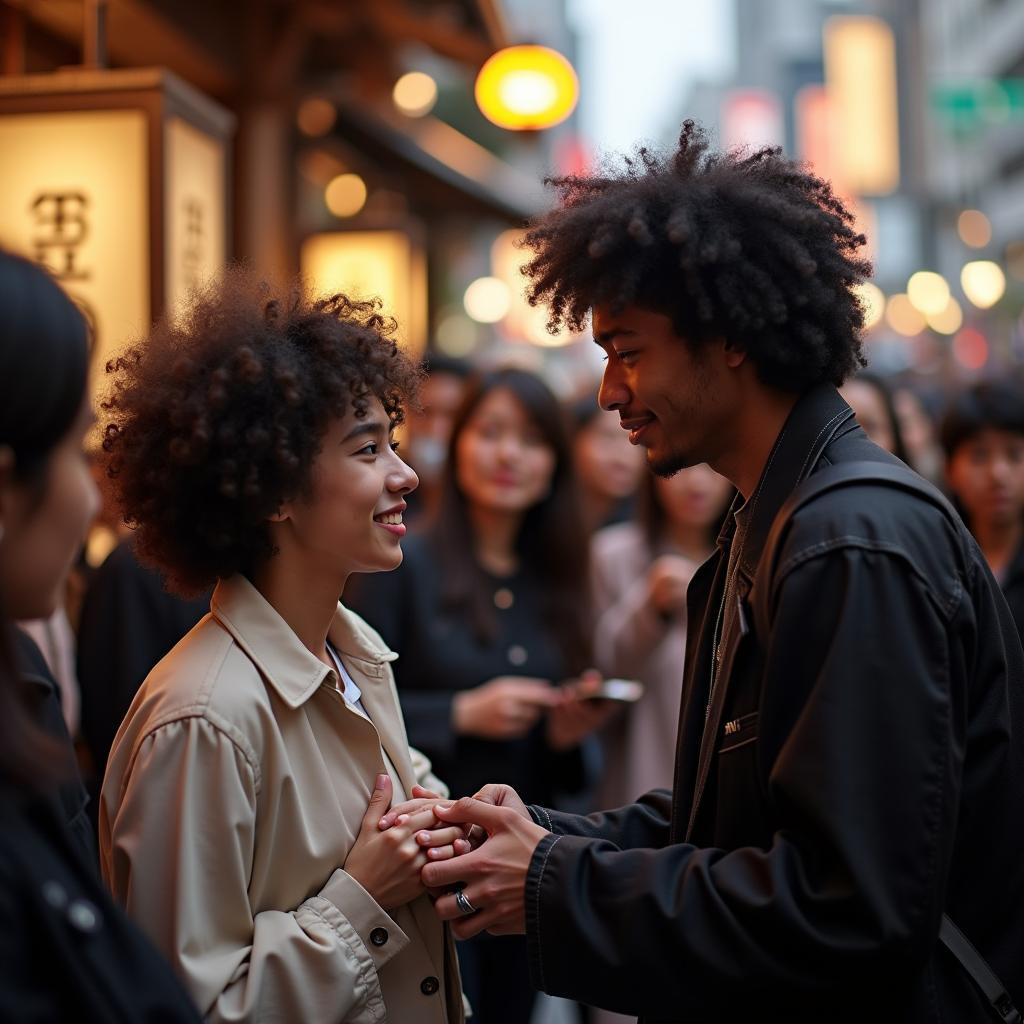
(487, 864)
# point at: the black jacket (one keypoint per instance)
(863, 772)
(70, 799)
(1013, 588)
(67, 953)
(129, 622)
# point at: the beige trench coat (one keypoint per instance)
(235, 788)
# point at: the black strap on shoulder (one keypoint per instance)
(843, 475)
(885, 474)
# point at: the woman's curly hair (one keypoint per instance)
(751, 247)
(216, 419)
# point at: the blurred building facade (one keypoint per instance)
(356, 154)
(955, 103)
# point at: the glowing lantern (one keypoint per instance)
(387, 264)
(527, 88)
(116, 181)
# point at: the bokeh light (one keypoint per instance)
(415, 94)
(974, 229)
(928, 292)
(948, 320)
(873, 300)
(970, 349)
(345, 195)
(903, 317)
(983, 283)
(527, 88)
(316, 116)
(487, 300)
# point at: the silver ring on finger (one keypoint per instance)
(462, 902)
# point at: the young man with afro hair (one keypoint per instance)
(851, 744)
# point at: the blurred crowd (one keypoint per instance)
(541, 556)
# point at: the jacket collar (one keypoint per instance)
(292, 670)
(818, 416)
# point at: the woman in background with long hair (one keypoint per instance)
(488, 612)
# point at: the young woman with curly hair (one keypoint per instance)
(67, 952)
(250, 445)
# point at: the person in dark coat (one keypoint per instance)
(66, 951)
(129, 621)
(487, 616)
(982, 435)
(851, 747)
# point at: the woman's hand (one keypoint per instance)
(667, 580)
(387, 863)
(578, 714)
(439, 841)
(504, 708)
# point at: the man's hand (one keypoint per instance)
(493, 877)
(500, 795)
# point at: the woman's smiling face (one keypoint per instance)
(352, 521)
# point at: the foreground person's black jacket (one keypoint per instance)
(864, 773)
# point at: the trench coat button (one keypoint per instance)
(379, 936)
(84, 916)
(428, 986)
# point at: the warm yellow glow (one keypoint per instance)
(873, 300)
(983, 283)
(948, 320)
(194, 210)
(902, 317)
(75, 198)
(527, 87)
(860, 76)
(974, 229)
(536, 329)
(928, 292)
(365, 264)
(345, 195)
(487, 300)
(415, 94)
(316, 116)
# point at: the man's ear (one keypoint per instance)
(734, 355)
(281, 515)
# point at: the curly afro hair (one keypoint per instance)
(216, 419)
(746, 246)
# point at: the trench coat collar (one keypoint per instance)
(294, 672)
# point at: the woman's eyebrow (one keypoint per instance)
(376, 428)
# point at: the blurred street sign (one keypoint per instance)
(968, 106)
